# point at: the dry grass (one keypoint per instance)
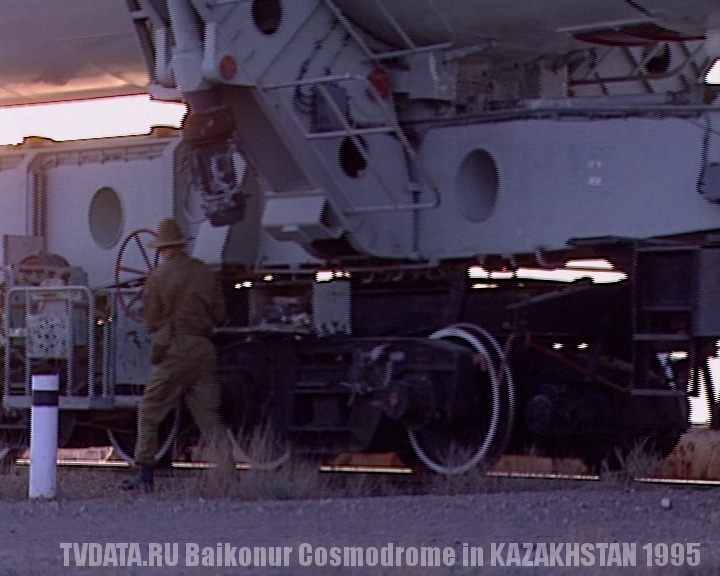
(272, 473)
(298, 478)
(638, 462)
(367, 484)
(472, 482)
(262, 448)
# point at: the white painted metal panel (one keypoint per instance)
(13, 207)
(558, 180)
(539, 26)
(141, 172)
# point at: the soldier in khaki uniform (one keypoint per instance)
(183, 301)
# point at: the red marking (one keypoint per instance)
(228, 68)
(380, 80)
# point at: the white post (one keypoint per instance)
(44, 436)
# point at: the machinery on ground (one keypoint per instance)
(397, 194)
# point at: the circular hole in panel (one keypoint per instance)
(476, 186)
(352, 160)
(266, 15)
(105, 217)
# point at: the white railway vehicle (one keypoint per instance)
(432, 161)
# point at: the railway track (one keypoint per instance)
(693, 463)
(397, 474)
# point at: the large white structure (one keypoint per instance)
(81, 199)
(399, 146)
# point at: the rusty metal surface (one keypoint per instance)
(697, 457)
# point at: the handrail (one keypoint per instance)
(639, 77)
(411, 46)
(390, 127)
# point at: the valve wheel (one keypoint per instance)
(130, 279)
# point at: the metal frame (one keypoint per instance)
(79, 307)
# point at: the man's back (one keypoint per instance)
(185, 291)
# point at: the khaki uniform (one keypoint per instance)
(183, 302)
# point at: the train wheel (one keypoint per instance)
(261, 449)
(129, 277)
(249, 410)
(648, 442)
(12, 446)
(633, 453)
(124, 442)
(448, 447)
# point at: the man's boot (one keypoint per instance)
(144, 480)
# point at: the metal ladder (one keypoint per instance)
(389, 125)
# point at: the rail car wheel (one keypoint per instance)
(449, 447)
(12, 446)
(249, 410)
(124, 442)
(261, 449)
(632, 452)
(133, 276)
(647, 442)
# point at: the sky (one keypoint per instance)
(87, 119)
(102, 117)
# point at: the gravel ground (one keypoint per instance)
(523, 521)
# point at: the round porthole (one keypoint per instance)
(266, 15)
(476, 186)
(105, 217)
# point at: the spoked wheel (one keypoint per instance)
(124, 442)
(448, 446)
(132, 267)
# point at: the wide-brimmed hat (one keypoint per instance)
(169, 234)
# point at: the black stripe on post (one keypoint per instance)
(45, 398)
